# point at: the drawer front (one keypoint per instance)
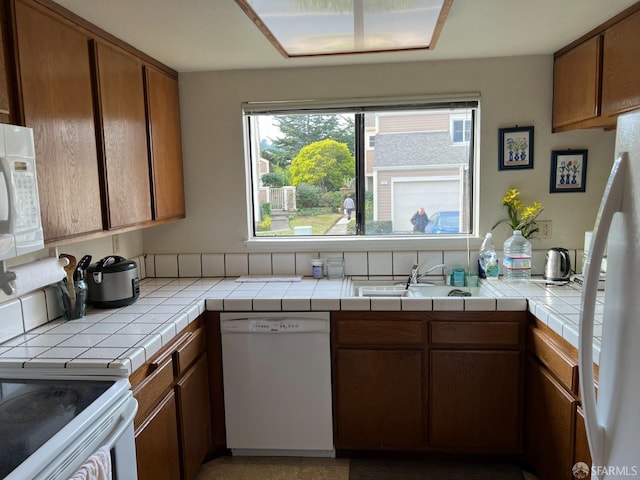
(475, 333)
(379, 332)
(190, 350)
(562, 365)
(152, 389)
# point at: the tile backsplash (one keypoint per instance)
(19, 315)
(378, 263)
(33, 309)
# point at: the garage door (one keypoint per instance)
(433, 195)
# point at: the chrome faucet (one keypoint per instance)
(415, 275)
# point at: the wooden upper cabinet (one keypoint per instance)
(576, 83)
(5, 112)
(597, 77)
(621, 70)
(124, 136)
(163, 112)
(57, 102)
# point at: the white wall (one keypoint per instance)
(514, 91)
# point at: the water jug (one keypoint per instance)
(516, 262)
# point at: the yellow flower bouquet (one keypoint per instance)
(521, 217)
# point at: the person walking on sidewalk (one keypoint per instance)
(349, 206)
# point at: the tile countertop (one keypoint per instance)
(123, 339)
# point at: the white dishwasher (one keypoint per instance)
(277, 383)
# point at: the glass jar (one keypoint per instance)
(73, 301)
(335, 268)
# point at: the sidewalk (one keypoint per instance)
(340, 227)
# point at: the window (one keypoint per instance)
(460, 130)
(361, 170)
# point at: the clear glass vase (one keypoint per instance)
(73, 301)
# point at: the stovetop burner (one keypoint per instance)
(38, 405)
(33, 411)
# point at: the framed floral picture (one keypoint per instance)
(515, 148)
(568, 171)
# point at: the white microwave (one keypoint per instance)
(20, 223)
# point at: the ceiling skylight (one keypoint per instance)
(301, 28)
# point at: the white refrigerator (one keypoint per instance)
(613, 421)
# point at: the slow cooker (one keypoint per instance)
(113, 282)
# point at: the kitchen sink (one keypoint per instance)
(381, 291)
(445, 291)
(395, 288)
(377, 288)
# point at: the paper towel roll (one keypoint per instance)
(38, 274)
(587, 242)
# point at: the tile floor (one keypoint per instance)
(280, 468)
(275, 468)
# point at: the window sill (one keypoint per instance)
(341, 244)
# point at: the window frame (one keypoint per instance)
(250, 109)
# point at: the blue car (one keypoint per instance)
(444, 222)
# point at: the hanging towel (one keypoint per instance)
(97, 466)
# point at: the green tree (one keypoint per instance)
(298, 131)
(273, 180)
(325, 164)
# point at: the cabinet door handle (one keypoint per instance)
(163, 358)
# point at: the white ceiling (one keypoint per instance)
(201, 35)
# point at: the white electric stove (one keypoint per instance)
(52, 420)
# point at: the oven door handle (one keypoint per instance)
(125, 421)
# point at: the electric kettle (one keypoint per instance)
(558, 266)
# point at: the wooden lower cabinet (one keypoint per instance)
(581, 452)
(437, 381)
(194, 414)
(173, 423)
(554, 430)
(549, 426)
(157, 442)
(475, 400)
(381, 399)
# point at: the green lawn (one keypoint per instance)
(320, 224)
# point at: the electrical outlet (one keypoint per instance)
(115, 243)
(544, 229)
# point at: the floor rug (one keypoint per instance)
(374, 469)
